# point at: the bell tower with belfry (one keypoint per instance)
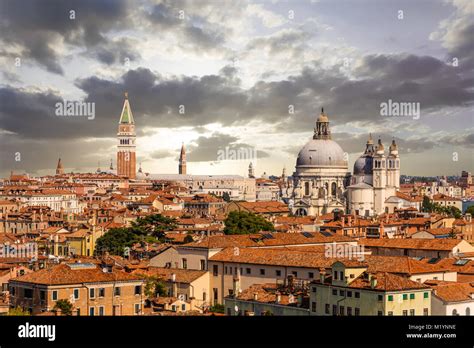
(126, 156)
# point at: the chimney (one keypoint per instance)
(278, 297)
(255, 296)
(373, 282)
(322, 275)
(468, 217)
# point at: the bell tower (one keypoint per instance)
(126, 157)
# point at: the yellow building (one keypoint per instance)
(351, 290)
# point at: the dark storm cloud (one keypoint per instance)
(156, 101)
(193, 31)
(39, 26)
(42, 154)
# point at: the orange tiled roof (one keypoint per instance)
(453, 291)
(422, 244)
(62, 274)
(182, 275)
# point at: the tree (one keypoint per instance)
(64, 306)
(470, 210)
(153, 225)
(226, 196)
(188, 239)
(115, 240)
(427, 206)
(18, 311)
(241, 222)
(154, 286)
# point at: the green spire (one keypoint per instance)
(126, 116)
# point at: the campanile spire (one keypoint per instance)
(126, 157)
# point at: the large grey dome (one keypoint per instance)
(321, 152)
(363, 165)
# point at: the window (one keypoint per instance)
(334, 310)
(357, 294)
(76, 294)
(379, 313)
(12, 290)
(101, 310)
(326, 309)
(341, 292)
(138, 290)
(91, 311)
(295, 273)
(278, 273)
(335, 275)
(28, 293)
(262, 271)
(183, 307)
(341, 275)
(390, 298)
(91, 293)
(412, 296)
(310, 275)
(426, 295)
(185, 263)
(412, 312)
(334, 292)
(231, 292)
(390, 313)
(203, 265)
(405, 297)
(341, 310)
(215, 270)
(349, 294)
(357, 311)
(117, 291)
(405, 312)
(225, 270)
(42, 295)
(380, 298)
(313, 289)
(247, 270)
(101, 292)
(54, 295)
(349, 311)
(425, 311)
(313, 306)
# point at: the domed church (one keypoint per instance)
(321, 174)
(375, 181)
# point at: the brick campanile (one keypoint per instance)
(126, 158)
(182, 160)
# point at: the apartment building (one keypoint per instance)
(350, 290)
(91, 289)
(452, 298)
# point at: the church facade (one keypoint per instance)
(321, 174)
(322, 183)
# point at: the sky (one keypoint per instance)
(226, 77)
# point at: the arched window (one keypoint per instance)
(455, 312)
(333, 189)
(468, 311)
(306, 188)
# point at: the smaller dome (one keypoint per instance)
(363, 165)
(323, 118)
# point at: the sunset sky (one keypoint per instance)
(237, 67)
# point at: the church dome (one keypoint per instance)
(363, 165)
(321, 152)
